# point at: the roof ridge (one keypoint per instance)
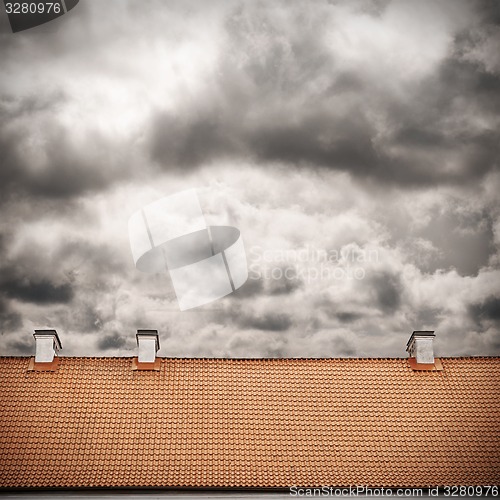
(344, 358)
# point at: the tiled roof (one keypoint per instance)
(268, 423)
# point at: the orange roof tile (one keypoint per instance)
(269, 423)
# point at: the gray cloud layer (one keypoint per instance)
(369, 129)
(282, 94)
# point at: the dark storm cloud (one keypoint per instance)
(264, 102)
(269, 322)
(387, 289)
(21, 347)
(52, 147)
(349, 147)
(284, 282)
(66, 171)
(347, 317)
(103, 259)
(374, 7)
(22, 281)
(428, 316)
(490, 11)
(179, 142)
(246, 317)
(38, 292)
(466, 241)
(279, 280)
(10, 320)
(252, 288)
(243, 344)
(111, 341)
(76, 274)
(244, 119)
(340, 346)
(85, 317)
(489, 309)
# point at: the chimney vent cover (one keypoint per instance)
(421, 346)
(47, 344)
(149, 343)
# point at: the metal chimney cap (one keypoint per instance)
(49, 333)
(148, 333)
(420, 334)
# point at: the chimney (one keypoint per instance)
(47, 344)
(420, 346)
(149, 343)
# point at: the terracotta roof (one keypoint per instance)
(249, 423)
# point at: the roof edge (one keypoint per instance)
(358, 358)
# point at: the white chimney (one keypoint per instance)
(47, 344)
(149, 343)
(420, 346)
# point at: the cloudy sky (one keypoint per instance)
(355, 144)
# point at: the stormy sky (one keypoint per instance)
(355, 144)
